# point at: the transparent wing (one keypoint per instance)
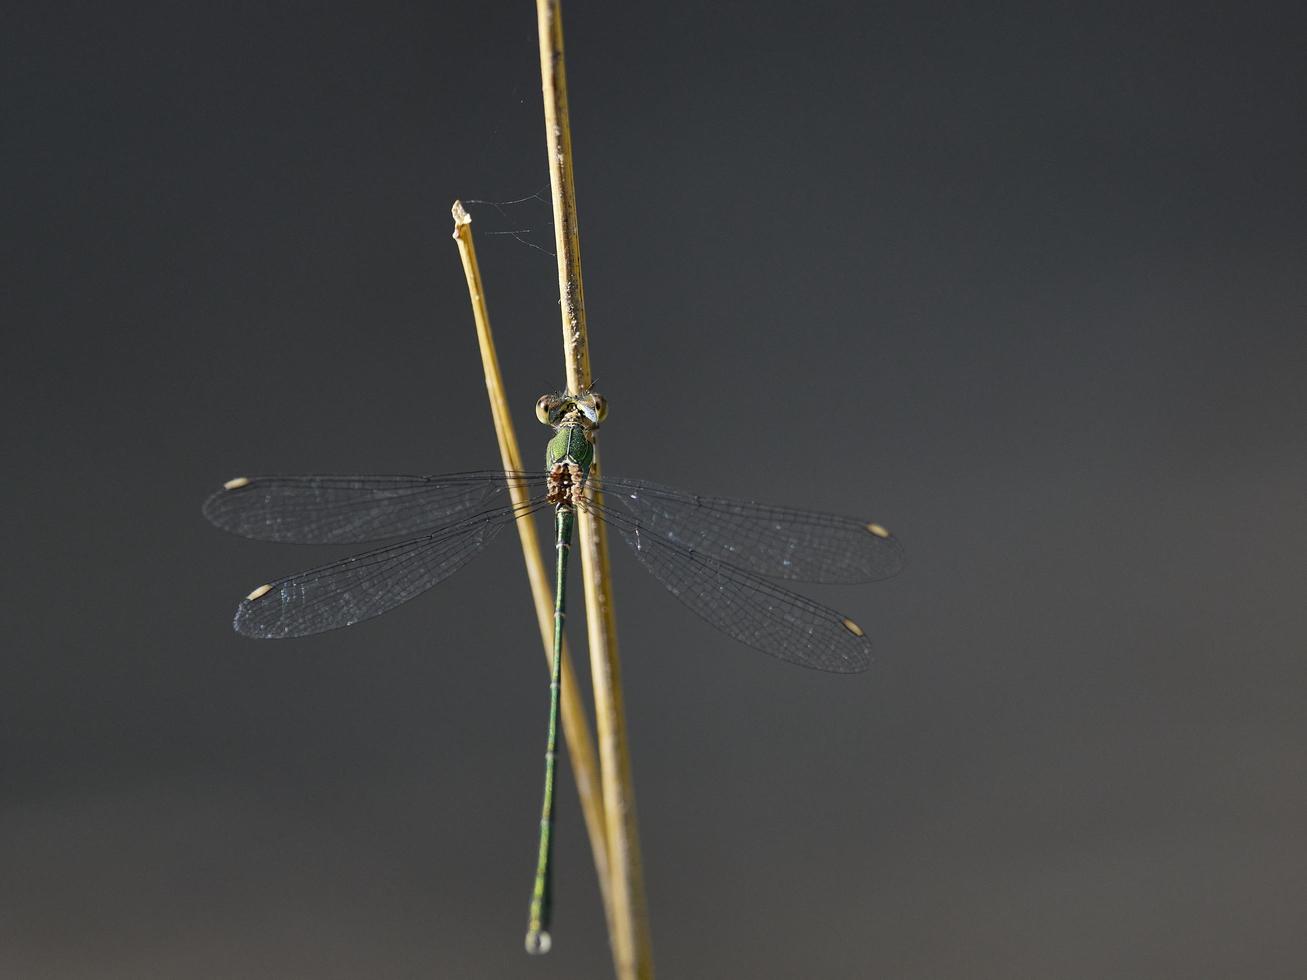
(776, 542)
(747, 607)
(353, 509)
(357, 588)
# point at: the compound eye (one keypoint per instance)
(600, 404)
(545, 408)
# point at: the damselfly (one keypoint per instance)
(720, 557)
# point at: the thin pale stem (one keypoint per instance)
(629, 924)
(576, 729)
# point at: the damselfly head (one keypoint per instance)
(587, 409)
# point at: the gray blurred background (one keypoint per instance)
(1023, 283)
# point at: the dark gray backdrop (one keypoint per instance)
(1022, 282)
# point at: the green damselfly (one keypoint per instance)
(720, 557)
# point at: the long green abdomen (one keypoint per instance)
(537, 933)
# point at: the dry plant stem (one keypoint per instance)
(629, 925)
(576, 729)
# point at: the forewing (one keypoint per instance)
(749, 608)
(357, 588)
(776, 542)
(354, 509)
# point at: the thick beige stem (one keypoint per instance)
(629, 932)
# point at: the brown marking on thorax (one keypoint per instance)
(565, 484)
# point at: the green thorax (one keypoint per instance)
(570, 444)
